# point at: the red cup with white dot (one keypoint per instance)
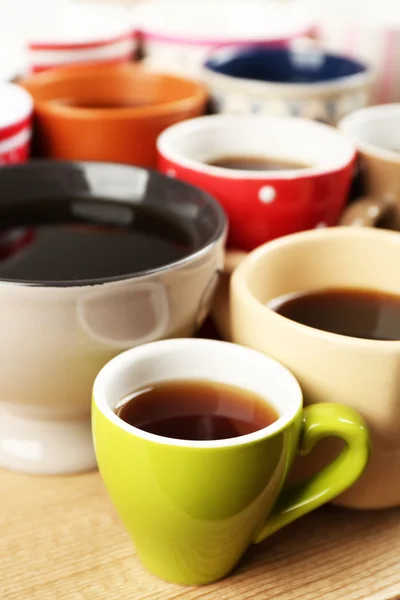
(16, 109)
(263, 204)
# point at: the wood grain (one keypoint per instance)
(61, 540)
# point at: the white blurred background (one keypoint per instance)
(365, 29)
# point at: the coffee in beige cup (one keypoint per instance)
(332, 366)
(376, 133)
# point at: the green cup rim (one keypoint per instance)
(116, 366)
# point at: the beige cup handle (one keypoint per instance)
(366, 212)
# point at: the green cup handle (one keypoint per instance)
(320, 421)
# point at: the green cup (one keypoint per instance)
(192, 508)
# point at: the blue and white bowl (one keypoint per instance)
(303, 82)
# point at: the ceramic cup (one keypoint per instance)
(178, 35)
(57, 335)
(361, 373)
(367, 31)
(192, 508)
(12, 52)
(67, 32)
(109, 113)
(263, 205)
(16, 109)
(295, 81)
(376, 133)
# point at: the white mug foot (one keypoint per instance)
(45, 447)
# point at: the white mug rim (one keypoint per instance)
(367, 115)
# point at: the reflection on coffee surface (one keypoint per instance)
(256, 163)
(196, 410)
(360, 313)
(87, 239)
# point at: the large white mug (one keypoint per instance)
(57, 332)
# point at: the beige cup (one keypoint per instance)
(376, 133)
(365, 374)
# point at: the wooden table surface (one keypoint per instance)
(61, 540)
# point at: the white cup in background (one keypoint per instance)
(16, 108)
(178, 35)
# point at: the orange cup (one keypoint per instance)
(109, 113)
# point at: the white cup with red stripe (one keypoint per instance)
(16, 110)
(76, 33)
(44, 56)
